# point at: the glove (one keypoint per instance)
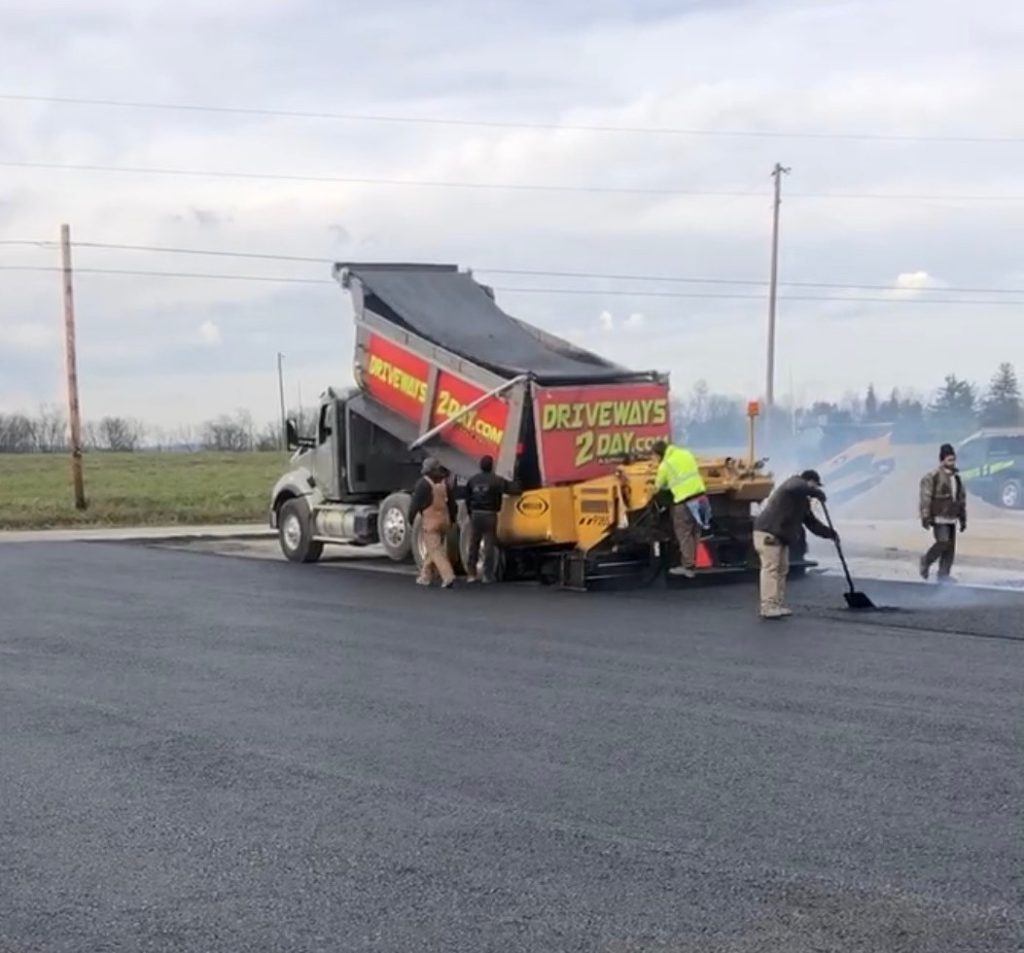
(835, 536)
(963, 526)
(926, 523)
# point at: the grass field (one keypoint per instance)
(135, 489)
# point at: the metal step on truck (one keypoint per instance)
(442, 371)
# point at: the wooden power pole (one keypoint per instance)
(280, 394)
(769, 391)
(74, 411)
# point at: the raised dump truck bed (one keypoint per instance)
(444, 306)
(431, 341)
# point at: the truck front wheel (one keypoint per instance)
(393, 527)
(295, 534)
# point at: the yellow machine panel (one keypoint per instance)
(583, 514)
(538, 517)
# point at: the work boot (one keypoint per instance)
(923, 568)
(685, 571)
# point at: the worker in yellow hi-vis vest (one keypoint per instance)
(679, 473)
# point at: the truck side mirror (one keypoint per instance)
(291, 433)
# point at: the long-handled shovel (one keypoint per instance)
(854, 599)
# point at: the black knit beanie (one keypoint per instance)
(946, 450)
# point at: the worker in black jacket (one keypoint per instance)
(777, 527)
(484, 493)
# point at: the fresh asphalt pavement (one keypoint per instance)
(205, 753)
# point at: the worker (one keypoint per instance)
(679, 473)
(943, 506)
(777, 527)
(484, 493)
(435, 500)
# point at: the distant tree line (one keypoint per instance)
(706, 419)
(46, 431)
(954, 410)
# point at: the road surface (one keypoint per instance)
(205, 753)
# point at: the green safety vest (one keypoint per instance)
(679, 473)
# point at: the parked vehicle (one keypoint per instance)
(992, 466)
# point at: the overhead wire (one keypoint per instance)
(513, 124)
(498, 186)
(594, 292)
(279, 279)
(533, 272)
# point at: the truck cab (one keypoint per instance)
(340, 476)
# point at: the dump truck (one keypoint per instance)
(441, 371)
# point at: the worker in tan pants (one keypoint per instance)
(776, 527)
(433, 498)
(774, 556)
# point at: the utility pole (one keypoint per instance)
(280, 391)
(71, 362)
(769, 392)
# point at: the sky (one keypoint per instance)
(181, 350)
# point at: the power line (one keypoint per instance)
(753, 282)
(362, 180)
(593, 292)
(503, 124)
(174, 274)
(680, 294)
(535, 273)
(497, 186)
(163, 249)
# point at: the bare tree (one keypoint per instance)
(228, 433)
(17, 434)
(121, 433)
(51, 429)
(269, 437)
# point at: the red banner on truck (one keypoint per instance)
(477, 431)
(398, 378)
(584, 431)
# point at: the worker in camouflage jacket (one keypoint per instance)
(943, 507)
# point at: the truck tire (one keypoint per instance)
(393, 527)
(1011, 496)
(419, 554)
(295, 534)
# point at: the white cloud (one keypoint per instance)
(909, 284)
(209, 334)
(606, 320)
(913, 280)
(636, 320)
